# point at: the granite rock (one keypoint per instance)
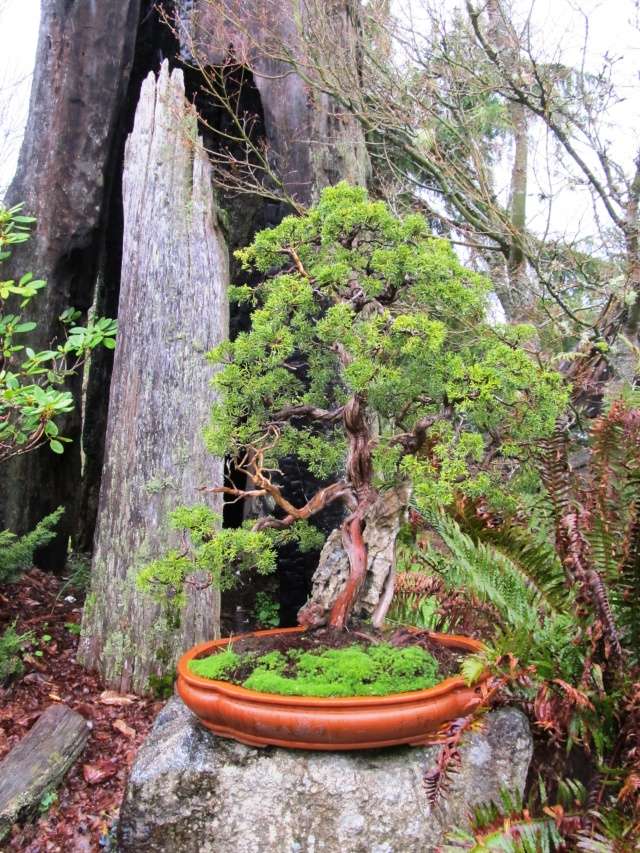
(192, 791)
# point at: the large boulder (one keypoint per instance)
(192, 791)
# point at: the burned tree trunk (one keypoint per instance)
(313, 143)
(84, 58)
(173, 308)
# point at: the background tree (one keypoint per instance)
(65, 178)
(440, 95)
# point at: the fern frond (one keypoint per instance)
(490, 575)
(538, 563)
(626, 593)
(538, 835)
(556, 476)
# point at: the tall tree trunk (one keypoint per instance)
(173, 308)
(516, 263)
(514, 289)
(84, 57)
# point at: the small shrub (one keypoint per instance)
(11, 646)
(16, 553)
(267, 610)
(79, 573)
(48, 799)
(162, 685)
(31, 402)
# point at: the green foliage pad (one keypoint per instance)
(357, 302)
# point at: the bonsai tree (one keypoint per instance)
(369, 358)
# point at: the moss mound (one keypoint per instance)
(376, 670)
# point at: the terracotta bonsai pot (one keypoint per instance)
(301, 722)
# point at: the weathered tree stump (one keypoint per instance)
(383, 522)
(39, 762)
(173, 309)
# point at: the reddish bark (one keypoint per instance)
(357, 554)
(359, 474)
(356, 491)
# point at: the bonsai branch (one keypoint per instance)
(336, 491)
(252, 465)
(313, 412)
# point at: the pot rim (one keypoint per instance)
(236, 691)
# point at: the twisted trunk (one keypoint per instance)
(356, 551)
(334, 591)
(356, 569)
(359, 471)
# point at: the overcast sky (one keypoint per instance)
(19, 21)
(563, 26)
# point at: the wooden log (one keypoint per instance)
(173, 309)
(39, 762)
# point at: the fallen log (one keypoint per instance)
(39, 762)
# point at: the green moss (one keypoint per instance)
(216, 666)
(352, 671)
(89, 606)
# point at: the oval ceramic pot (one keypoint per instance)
(301, 722)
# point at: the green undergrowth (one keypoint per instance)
(352, 671)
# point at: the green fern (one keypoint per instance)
(523, 581)
(520, 582)
(505, 827)
(626, 591)
(536, 560)
(534, 836)
(614, 538)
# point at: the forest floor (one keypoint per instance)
(82, 816)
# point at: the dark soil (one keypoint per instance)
(82, 818)
(329, 638)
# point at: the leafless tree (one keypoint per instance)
(446, 99)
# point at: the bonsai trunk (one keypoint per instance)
(355, 575)
(359, 471)
(356, 551)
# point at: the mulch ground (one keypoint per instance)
(83, 817)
